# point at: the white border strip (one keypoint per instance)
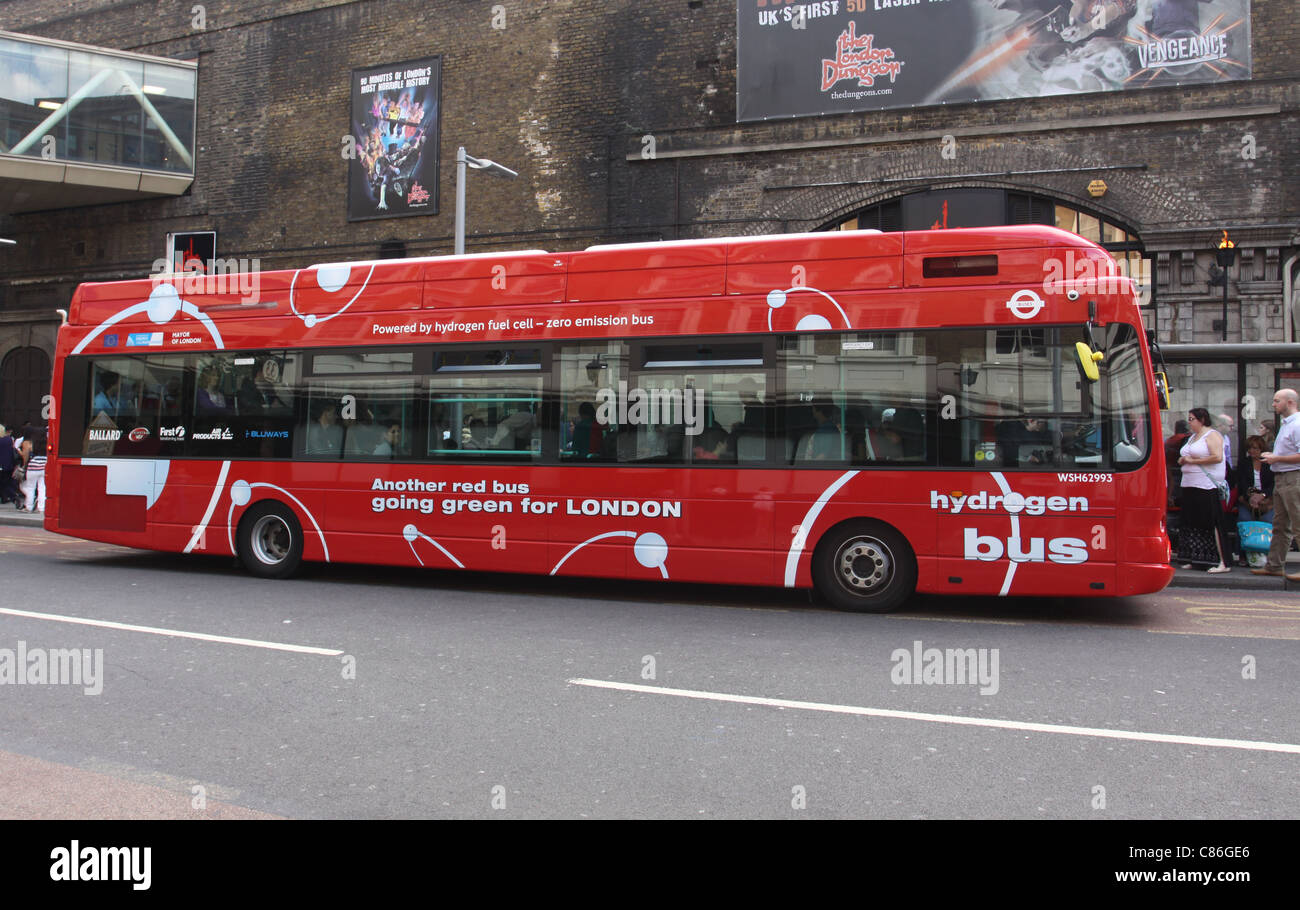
(805, 527)
(593, 540)
(1213, 742)
(202, 526)
(174, 633)
(1015, 533)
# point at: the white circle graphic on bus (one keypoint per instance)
(1025, 304)
(1013, 502)
(812, 322)
(164, 304)
(329, 280)
(650, 549)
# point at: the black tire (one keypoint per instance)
(864, 566)
(270, 541)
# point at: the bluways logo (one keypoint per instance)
(987, 548)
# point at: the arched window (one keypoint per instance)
(988, 207)
(24, 382)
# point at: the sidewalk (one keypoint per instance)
(1239, 579)
(11, 516)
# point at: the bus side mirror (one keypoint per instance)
(1162, 391)
(1088, 360)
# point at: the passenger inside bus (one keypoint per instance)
(883, 443)
(474, 434)
(210, 400)
(324, 434)
(588, 433)
(108, 398)
(391, 445)
(712, 445)
(1025, 441)
(826, 441)
(515, 432)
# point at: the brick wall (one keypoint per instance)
(565, 94)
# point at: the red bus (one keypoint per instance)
(868, 414)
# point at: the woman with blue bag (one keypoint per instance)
(1254, 501)
(1200, 540)
(1254, 483)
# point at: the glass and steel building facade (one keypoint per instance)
(80, 125)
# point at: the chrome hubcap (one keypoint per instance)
(864, 565)
(272, 539)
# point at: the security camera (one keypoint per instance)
(1072, 294)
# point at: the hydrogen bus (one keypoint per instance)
(870, 414)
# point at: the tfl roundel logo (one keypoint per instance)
(139, 434)
(1025, 304)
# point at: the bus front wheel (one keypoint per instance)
(270, 541)
(864, 566)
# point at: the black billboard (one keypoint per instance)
(799, 59)
(393, 167)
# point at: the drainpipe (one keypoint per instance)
(1288, 289)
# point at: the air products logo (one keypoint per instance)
(217, 433)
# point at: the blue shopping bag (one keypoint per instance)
(1255, 535)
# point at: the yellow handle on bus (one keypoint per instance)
(1088, 359)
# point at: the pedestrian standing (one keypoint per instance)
(33, 485)
(1225, 430)
(1174, 477)
(1200, 536)
(1284, 461)
(8, 461)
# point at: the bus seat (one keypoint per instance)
(751, 447)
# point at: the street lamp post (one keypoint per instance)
(479, 164)
(1225, 256)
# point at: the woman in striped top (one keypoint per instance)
(33, 485)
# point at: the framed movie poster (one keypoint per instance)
(798, 58)
(393, 166)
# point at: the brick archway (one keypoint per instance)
(24, 382)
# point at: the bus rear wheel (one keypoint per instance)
(270, 541)
(864, 566)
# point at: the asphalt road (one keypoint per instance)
(438, 694)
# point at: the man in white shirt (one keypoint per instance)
(1284, 461)
(1226, 430)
